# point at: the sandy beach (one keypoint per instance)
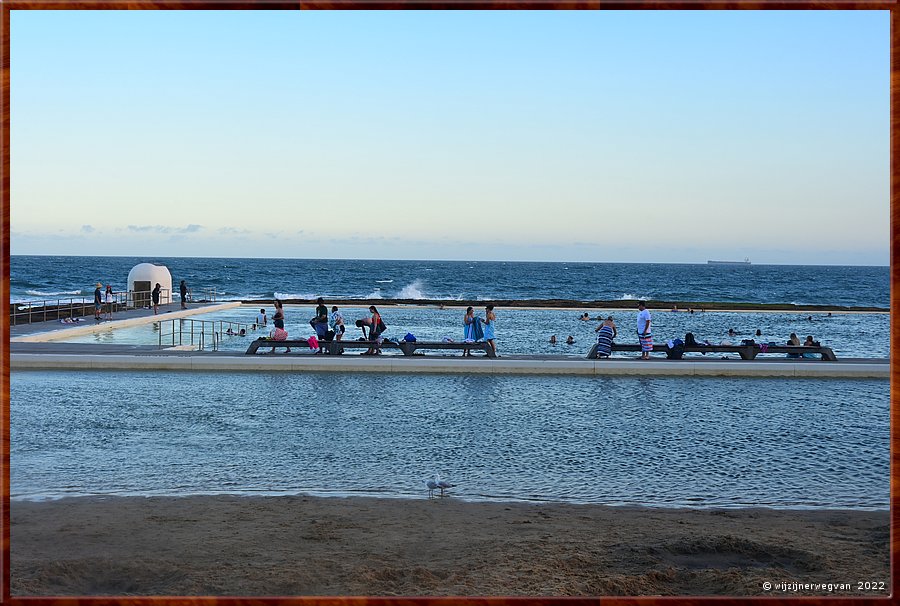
(228, 545)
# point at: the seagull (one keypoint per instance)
(432, 485)
(441, 484)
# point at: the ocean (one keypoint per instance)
(50, 277)
(674, 441)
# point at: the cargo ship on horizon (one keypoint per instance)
(746, 261)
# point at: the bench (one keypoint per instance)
(747, 352)
(334, 347)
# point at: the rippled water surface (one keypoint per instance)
(527, 331)
(37, 277)
(614, 440)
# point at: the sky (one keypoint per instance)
(613, 136)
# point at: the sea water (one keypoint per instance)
(52, 277)
(654, 441)
(698, 442)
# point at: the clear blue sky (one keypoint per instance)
(577, 136)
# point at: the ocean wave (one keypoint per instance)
(39, 293)
(412, 291)
(383, 281)
(290, 295)
(629, 297)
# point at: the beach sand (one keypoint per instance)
(228, 545)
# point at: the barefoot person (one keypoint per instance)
(469, 324)
(279, 333)
(109, 299)
(606, 332)
(337, 323)
(490, 318)
(376, 327)
(643, 330)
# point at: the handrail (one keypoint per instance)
(52, 309)
(41, 310)
(198, 337)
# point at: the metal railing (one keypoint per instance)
(26, 312)
(41, 310)
(206, 295)
(198, 333)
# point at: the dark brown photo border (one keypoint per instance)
(9, 5)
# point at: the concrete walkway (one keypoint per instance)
(57, 356)
(35, 346)
(52, 330)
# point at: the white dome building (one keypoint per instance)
(143, 278)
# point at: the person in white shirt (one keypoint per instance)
(643, 330)
(261, 319)
(109, 299)
(337, 323)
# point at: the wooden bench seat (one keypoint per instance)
(407, 347)
(747, 352)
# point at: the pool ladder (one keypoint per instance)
(199, 333)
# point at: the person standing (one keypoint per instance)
(261, 319)
(320, 322)
(337, 323)
(490, 318)
(109, 299)
(155, 295)
(98, 302)
(183, 289)
(376, 328)
(645, 337)
(279, 333)
(606, 332)
(469, 329)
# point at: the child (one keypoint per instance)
(337, 323)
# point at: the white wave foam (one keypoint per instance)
(373, 295)
(384, 281)
(630, 297)
(412, 291)
(39, 293)
(290, 295)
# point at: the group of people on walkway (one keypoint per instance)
(330, 327)
(480, 329)
(327, 326)
(108, 299)
(607, 332)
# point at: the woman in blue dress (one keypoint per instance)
(489, 320)
(469, 329)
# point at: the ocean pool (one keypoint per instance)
(527, 331)
(701, 442)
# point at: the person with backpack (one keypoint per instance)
(376, 327)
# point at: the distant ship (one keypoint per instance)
(746, 261)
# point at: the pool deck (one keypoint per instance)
(59, 356)
(36, 347)
(51, 330)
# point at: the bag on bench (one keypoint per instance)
(675, 349)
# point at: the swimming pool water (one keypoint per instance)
(615, 440)
(527, 331)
